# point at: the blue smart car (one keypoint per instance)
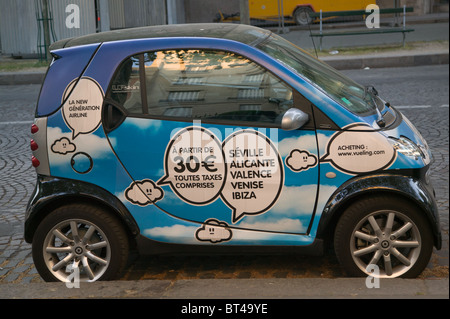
(219, 138)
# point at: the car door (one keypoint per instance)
(199, 131)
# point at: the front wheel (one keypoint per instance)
(384, 237)
(80, 242)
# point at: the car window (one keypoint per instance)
(201, 84)
(126, 88)
(342, 89)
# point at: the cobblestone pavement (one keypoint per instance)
(421, 94)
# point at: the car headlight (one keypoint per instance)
(406, 147)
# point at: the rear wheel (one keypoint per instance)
(390, 235)
(302, 15)
(80, 240)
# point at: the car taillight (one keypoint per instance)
(34, 129)
(38, 145)
(33, 145)
(35, 162)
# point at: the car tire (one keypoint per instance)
(302, 15)
(390, 234)
(80, 242)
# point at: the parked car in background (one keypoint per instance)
(298, 11)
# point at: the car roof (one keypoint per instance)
(238, 32)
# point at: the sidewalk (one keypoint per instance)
(398, 58)
(428, 29)
(286, 288)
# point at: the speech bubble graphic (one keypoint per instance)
(300, 160)
(63, 146)
(194, 165)
(254, 173)
(214, 231)
(143, 192)
(359, 149)
(82, 109)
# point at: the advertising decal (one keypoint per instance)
(247, 173)
(82, 109)
(359, 149)
(245, 170)
(255, 173)
(194, 166)
(81, 112)
(213, 231)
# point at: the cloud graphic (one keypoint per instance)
(172, 233)
(63, 146)
(97, 147)
(300, 160)
(214, 231)
(144, 192)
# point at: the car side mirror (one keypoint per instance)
(294, 119)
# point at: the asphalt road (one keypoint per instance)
(421, 93)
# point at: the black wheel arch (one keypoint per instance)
(53, 192)
(303, 6)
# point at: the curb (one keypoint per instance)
(387, 61)
(21, 78)
(341, 63)
(286, 288)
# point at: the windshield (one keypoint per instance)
(343, 90)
